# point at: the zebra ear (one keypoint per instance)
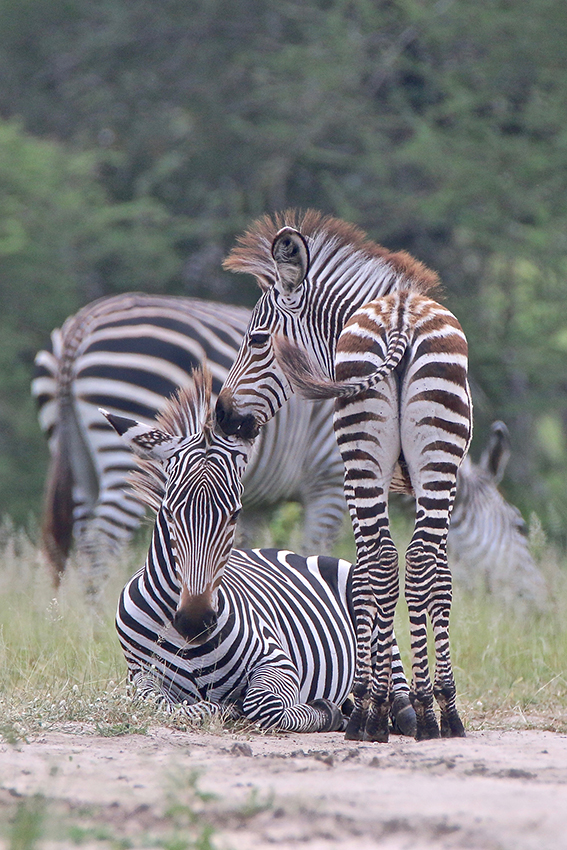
(291, 256)
(496, 455)
(144, 440)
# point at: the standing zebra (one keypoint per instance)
(263, 633)
(129, 353)
(396, 362)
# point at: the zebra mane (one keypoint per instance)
(324, 233)
(188, 412)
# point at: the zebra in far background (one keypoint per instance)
(488, 545)
(129, 353)
(266, 634)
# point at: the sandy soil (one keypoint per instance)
(491, 790)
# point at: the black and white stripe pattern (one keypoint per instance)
(341, 317)
(284, 643)
(128, 354)
(267, 634)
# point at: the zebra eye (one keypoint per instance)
(259, 338)
(235, 516)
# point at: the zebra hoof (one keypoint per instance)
(376, 728)
(427, 730)
(355, 727)
(334, 718)
(452, 727)
(404, 720)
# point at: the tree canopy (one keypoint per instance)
(137, 139)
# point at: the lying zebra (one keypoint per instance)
(266, 634)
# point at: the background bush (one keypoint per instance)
(138, 138)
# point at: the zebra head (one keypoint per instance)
(256, 379)
(314, 272)
(191, 476)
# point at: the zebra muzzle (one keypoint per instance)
(232, 423)
(195, 618)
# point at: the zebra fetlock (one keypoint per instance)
(426, 721)
(377, 725)
(451, 723)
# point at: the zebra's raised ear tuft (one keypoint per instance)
(496, 454)
(144, 440)
(291, 256)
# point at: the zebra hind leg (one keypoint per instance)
(272, 701)
(384, 583)
(402, 712)
(444, 688)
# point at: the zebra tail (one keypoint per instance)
(57, 515)
(310, 382)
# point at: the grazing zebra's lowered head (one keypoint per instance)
(191, 476)
(488, 545)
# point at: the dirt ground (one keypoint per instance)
(491, 790)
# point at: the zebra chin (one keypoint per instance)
(195, 619)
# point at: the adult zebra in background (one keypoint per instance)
(264, 633)
(370, 336)
(129, 353)
(487, 544)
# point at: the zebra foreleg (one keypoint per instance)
(272, 701)
(149, 687)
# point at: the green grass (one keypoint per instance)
(60, 661)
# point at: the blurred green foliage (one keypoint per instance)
(139, 138)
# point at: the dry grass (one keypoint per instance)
(61, 664)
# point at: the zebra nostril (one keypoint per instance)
(220, 412)
(195, 629)
(248, 428)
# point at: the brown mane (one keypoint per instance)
(252, 253)
(187, 413)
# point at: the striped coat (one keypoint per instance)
(283, 645)
(129, 353)
(341, 317)
(268, 633)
